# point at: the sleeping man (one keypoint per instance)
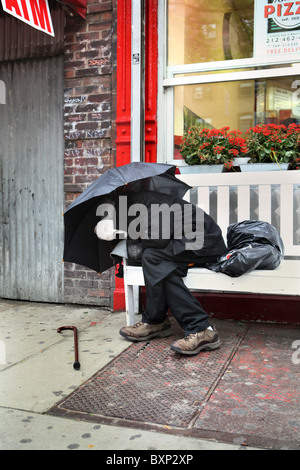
(174, 235)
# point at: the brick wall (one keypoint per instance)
(89, 131)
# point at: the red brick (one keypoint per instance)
(97, 7)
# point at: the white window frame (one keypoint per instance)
(171, 76)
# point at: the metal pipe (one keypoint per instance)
(137, 81)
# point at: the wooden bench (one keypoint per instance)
(273, 197)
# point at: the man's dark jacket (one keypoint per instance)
(212, 243)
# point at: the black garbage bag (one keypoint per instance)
(252, 245)
(253, 231)
(244, 260)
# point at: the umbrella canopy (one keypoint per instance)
(82, 246)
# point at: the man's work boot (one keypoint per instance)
(143, 331)
(196, 342)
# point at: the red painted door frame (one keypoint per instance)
(151, 73)
(123, 117)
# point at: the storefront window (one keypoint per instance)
(230, 63)
(204, 31)
(238, 105)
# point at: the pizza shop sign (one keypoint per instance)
(285, 14)
(36, 13)
(277, 29)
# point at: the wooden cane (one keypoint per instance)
(76, 364)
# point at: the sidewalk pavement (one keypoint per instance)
(36, 373)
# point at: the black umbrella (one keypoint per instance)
(82, 246)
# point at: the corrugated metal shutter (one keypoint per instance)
(31, 172)
(20, 41)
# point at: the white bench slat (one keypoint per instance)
(203, 198)
(287, 218)
(243, 203)
(264, 203)
(285, 280)
(240, 179)
(223, 216)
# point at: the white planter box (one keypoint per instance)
(264, 167)
(191, 169)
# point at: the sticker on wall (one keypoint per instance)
(36, 13)
(276, 28)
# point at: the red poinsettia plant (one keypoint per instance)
(274, 143)
(212, 146)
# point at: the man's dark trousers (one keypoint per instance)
(165, 289)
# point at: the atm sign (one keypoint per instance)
(36, 13)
